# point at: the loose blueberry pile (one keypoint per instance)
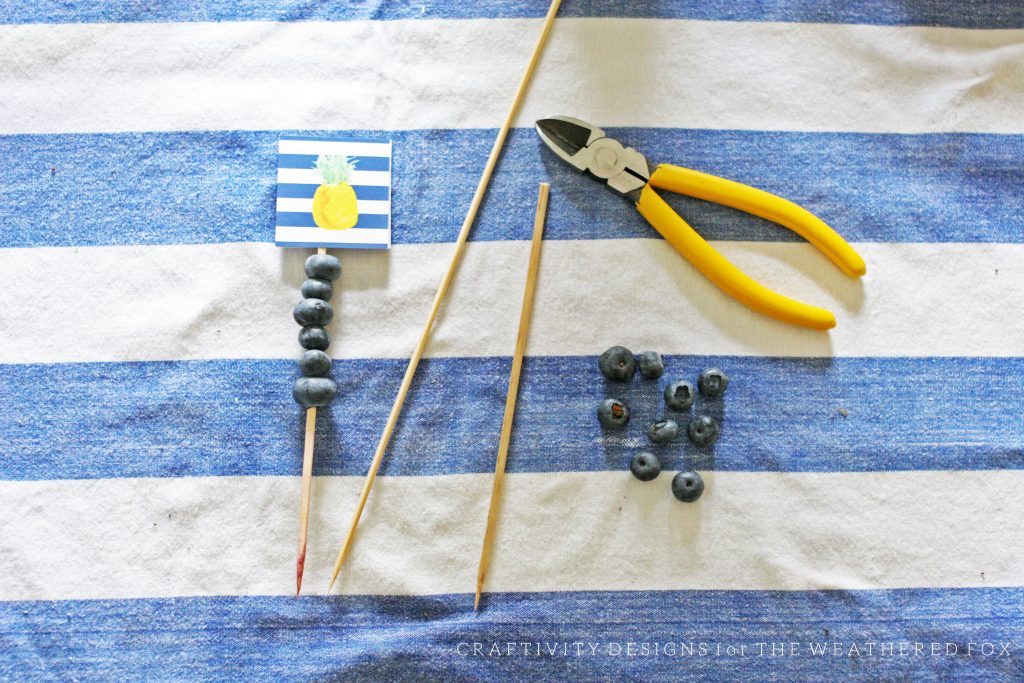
(620, 365)
(315, 388)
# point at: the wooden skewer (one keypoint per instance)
(442, 290)
(307, 485)
(513, 389)
(307, 482)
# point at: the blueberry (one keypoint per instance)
(323, 267)
(315, 363)
(687, 486)
(317, 289)
(617, 363)
(662, 431)
(679, 396)
(651, 364)
(314, 337)
(613, 413)
(312, 392)
(712, 383)
(645, 466)
(313, 312)
(703, 430)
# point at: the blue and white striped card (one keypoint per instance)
(333, 192)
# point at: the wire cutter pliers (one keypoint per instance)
(627, 172)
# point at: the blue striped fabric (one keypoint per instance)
(524, 636)
(982, 14)
(75, 436)
(783, 414)
(953, 187)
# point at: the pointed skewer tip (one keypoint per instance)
(300, 566)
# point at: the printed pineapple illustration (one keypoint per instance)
(334, 202)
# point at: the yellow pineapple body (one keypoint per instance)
(334, 207)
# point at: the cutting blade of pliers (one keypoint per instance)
(627, 172)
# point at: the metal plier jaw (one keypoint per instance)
(627, 171)
(624, 169)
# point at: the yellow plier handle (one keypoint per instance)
(720, 271)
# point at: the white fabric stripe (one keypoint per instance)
(638, 72)
(366, 149)
(311, 176)
(306, 205)
(235, 301)
(124, 538)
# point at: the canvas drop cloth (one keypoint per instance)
(862, 512)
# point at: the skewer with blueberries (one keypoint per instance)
(620, 365)
(315, 389)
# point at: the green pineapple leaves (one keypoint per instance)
(334, 169)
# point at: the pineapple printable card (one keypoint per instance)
(333, 192)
